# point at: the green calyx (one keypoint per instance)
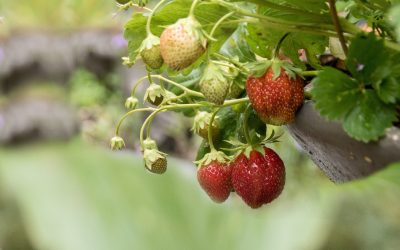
(149, 144)
(202, 121)
(193, 27)
(155, 161)
(155, 94)
(131, 103)
(259, 68)
(117, 143)
(217, 156)
(150, 52)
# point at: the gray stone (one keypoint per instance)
(339, 156)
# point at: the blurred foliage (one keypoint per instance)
(75, 196)
(57, 14)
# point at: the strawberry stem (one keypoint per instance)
(148, 25)
(210, 128)
(245, 124)
(193, 7)
(279, 45)
(128, 114)
(338, 27)
(217, 24)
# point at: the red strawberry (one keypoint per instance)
(215, 179)
(258, 179)
(182, 43)
(276, 98)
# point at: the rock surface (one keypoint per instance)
(339, 156)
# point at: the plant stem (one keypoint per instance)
(128, 114)
(310, 73)
(234, 102)
(338, 27)
(245, 124)
(217, 24)
(137, 83)
(147, 122)
(279, 45)
(210, 128)
(188, 91)
(193, 7)
(148, 25)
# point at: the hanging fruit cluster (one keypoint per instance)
(233, 79)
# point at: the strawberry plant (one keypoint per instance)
(240, 66)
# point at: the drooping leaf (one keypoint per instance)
(370, 118)
(335, 93)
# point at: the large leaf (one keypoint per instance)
(338, 97)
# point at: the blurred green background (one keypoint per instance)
(61, 188)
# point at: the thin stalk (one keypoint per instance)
(210, 127)
(149, 19)
(193, 7)
(188, 91)
(128, 114)
(217, 24)
(150, 118)
(245, 124)
(310, 73)
(338, 27)
(279, 45)
(137, 83)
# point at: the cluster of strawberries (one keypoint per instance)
(256, 174)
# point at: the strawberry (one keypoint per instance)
(201, 125)
(215, 179)
(276, 96)
(154, 94)
(151, 53)
(216, 82)
(154, 160)
(214, 175)
(259, 178)
(182, 43)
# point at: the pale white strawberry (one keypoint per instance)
(182, 43)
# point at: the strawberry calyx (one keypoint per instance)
(202, 120)
(154, 94)
(215, 71)
(148, 43)
(259, 68)
(214, 155)
(193, 27)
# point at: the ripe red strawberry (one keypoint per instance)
(276, 100)
(260, 178)
(215, 179)
(182, 43)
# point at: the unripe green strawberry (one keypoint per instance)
(154, 94)
(151, 53)
(123, 1)
(155, 161)
(182, 43)
(201, 125)
(216, 82)
(234, 91)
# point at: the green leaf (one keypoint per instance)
(338, 97)
(237, 47)
(394, 17)
(335, 93)
(369, 119)
(367, 58)
(207, 15)
(388, 90)
(263, 41)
